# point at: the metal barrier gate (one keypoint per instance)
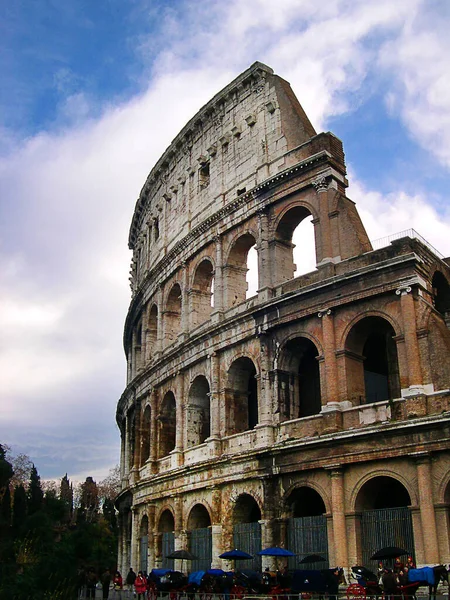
(385, 527)
(247, 537)
(201, 546)
(307, 535)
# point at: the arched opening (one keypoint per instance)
(385, 518)
(166, 539)
(152, 331)
(198, 427)
(145, 435)
(252, 273)
(199, 526)
(247, 530)
(284, 244)
(307, 527)
(201, 293)
(167, 425)
(441, 293)
(137, 347)
(235, 271)
(143, 544)
(242, 396)
(172, 315)
(371, 361)
(299, 384)
(304, 251)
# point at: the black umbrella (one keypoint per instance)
(388, 552)
(182, 555)
(312, 558)
(236, 555)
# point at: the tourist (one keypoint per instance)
(140, 585)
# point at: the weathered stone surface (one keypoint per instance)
(324, 394)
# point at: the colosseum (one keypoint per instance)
(312, 413)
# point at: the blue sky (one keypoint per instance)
(93, 92)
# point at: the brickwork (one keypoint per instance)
(323, 395)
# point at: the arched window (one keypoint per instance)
(199, 527)
(145, 435)
(299, 382)
(235, 271)
(166, 538)
(242, 396)
(198, 426)
(441, 293)
(201, 294)
(167, 425)
(172, 316)
(247, 530)
(371, 361)
(152, 333)
(294, 229)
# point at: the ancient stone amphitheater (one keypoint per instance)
(312, 415)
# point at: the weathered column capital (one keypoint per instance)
(321, 184)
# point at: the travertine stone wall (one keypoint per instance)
(321, 396)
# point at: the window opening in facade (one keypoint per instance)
(198, 426)
(242, 395)
(385, 518)
(201, 294)
(372, 361)
(235, 271)
(167, 425)
(204, 176)
(199, 526)
(152, 331)
(172, 314)
(441, 293)
(283, 245)
(143, 545)
(145, 435)
(307, 527)
(166, 539)
(247, 530)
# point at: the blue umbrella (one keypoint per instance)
(236, 555)
(275, 551)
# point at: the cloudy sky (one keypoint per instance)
(93, 92)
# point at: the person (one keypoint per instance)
(398, 565)
(333, 585)
(131, 578)
(390, 583)
(380, 571)
(106, 581)
(140, 585)
(117, 584)
(410, 563)
(91, 582)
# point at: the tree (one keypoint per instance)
(89, 501)
(22, 465)
(5, 508)
(35, 493)
(6, 469)
(19, 507)
(110, 486)
(66, 496)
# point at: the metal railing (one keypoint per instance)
(411, 233)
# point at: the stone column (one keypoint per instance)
(160, 322)
(153, 430)
(177, 453)
(265, 408)
(216, 535)
(265, 283)
(427, 514)
(411, 343)
(329, 350)
(134, 537)
(185, 300)
(127, 446)
(326, 251)
(151, 534)
(267, 541)
(338, 515)
(144, 350)
(137, 437)
(217, 309)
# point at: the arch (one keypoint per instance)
(382, 504)
(198, 415)
(246, 517)
(290, 222)
(201, 293)
(371, 361)
(299, 390)
(166, 538)
(241, 396)
(307, 524)
(200, 538)
(235, 270)
(441, 293)
(145, 435)
(152, 330)
(172, 313)
(167, 425)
